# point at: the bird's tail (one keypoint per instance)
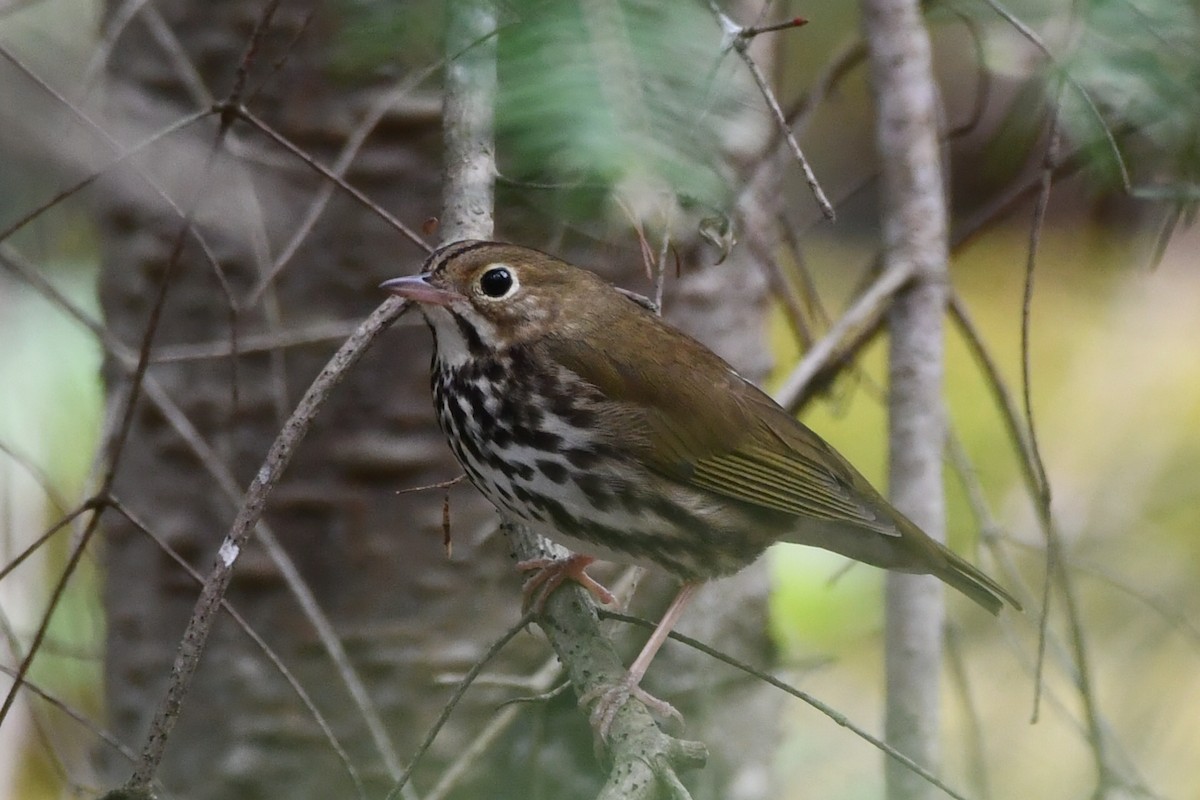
(972, 582)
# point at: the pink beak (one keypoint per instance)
(418, 289)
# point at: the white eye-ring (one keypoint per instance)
(498, 282)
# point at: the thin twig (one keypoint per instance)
(799, 694)
(65, 520)
(259, 642)
(1056, 571)
(321, 333)
(217, 469)
(863, 314)
(169, 43)
(737, 39)
(116, 147)
(1041, 486)
(757, 30)
(341, 164)
(100, 732)
(36, 719)
(455, 697)
(96, 506)
(547, 675)
(989, 529)
(983, 80)
(117, 20)
(974, 745)
(1010, 411)
(281, 140)
(120, 158)
(253, 505)
(1065, 76)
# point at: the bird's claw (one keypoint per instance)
(609, 698)
(550, 573)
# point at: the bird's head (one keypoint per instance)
(484, 296)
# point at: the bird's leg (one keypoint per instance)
(609, 699)
(550, 573)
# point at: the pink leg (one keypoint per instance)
(609, 699)
(550, 573)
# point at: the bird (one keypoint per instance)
(578, 411)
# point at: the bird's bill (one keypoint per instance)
(418, 289)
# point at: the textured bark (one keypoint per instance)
(407, 615)
(914, 223)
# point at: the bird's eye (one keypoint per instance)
(498, 282)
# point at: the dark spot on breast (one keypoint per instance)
(532, 415)
(595, 488)
(677, 515)
(559, 514)
(540, 439)
(502, 437)
(472, 446)
(494, 371)
(581, 417)
(458, 416)
(553, 470)
(469, 334)
(581, 457)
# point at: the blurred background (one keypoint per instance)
(1114, 327)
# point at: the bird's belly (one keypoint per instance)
(565, 482)
(609, 507)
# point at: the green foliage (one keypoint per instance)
(379, 36)
(613, 96)
(1139, 63)
(595, 99)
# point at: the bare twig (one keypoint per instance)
(281, 140)
(63, 521)
(82, 184)
(541, 681)
(259, 642)
(117, 148)
(261, 343)
(865, 313)
(1010, 411)
(974, 745)
(341, 164)
(739, 40)
(220, 473)
(446, 484)
(1065, 76)
(96, 506)
(239, 533)
(98, 731)
(799, 694)
(457, 695)
(1056, 571)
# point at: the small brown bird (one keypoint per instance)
(579, 412)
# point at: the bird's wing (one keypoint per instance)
(781, 464)
(687, 415)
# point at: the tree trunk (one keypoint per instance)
(913, 208)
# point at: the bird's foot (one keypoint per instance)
(550, 573)
(609, 698)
